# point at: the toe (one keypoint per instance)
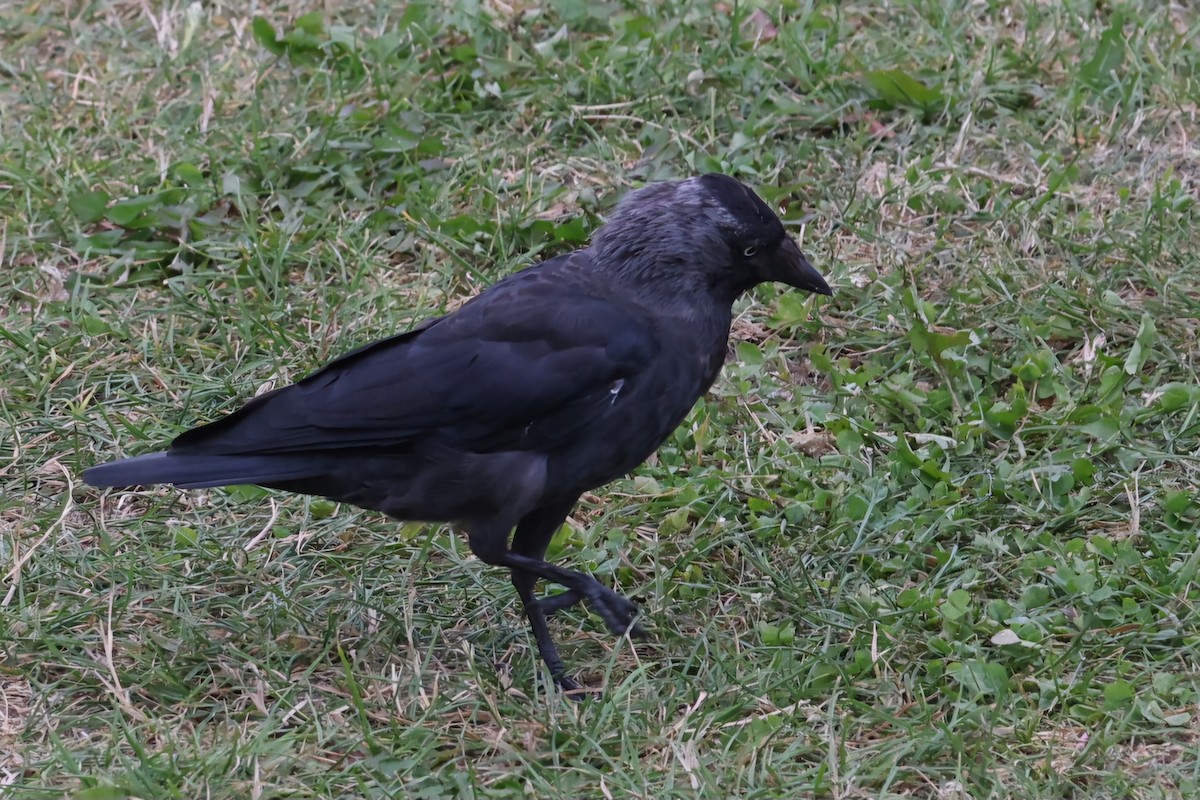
(617, 612)
(574, 690)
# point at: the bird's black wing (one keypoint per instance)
(532, 347)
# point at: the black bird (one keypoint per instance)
(499, 415)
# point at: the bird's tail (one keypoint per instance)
(197, 470)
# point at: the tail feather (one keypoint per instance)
(198, 471)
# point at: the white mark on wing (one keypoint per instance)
(615, 389)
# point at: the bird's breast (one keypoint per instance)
(633, 417)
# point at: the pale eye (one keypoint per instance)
(750, 251)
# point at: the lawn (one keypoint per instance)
(935, 536)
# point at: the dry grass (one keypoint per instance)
(827, 548)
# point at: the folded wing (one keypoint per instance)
(520, 364)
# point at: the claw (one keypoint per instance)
(617, 612)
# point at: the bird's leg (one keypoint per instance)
(525, 561)
(525, 581)
(532, 537)
(616, 611)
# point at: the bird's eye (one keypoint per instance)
(750, 251)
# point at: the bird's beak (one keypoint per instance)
(792, 268)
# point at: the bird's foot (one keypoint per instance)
(574, 690)
(557, 602)
(617, 612)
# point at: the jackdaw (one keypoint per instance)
(500, 414)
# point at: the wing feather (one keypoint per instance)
(542, 344)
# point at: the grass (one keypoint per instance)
(935, 537)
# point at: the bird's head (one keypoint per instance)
(713, 229)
